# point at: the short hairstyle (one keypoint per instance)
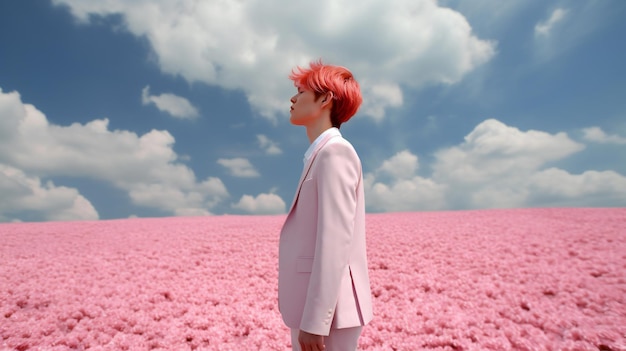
(321, 79)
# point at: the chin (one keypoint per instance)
(295, 121)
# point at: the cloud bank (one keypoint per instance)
(145, 167)
(23, 194)
(253, 45)
(497, 166)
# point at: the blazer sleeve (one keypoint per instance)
(338, 174)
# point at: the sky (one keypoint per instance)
(152, 108)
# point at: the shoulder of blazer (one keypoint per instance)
(338, 146)
(340, 156)
(338, 142)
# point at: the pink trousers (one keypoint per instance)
(339, 339)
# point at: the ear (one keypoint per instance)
(327, 99)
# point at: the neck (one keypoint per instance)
(314, 130)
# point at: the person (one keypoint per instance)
(324, 293)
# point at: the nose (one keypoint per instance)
(293, 99)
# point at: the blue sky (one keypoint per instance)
(115, 109)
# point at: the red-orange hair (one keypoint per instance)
(321, 79)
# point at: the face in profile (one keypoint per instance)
(305, 108)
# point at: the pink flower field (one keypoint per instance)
(532, 279)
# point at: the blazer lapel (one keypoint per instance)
(307, 168)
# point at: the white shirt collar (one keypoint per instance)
(309, 152)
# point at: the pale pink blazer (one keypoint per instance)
(323, 280)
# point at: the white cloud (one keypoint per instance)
(270, 147)
(379, 98)
(401, 166)
(24, 194)
(597, 135)
(239, 167)
(405, 191)
(145, 166)
(493, 150)
(492, 166)
(252, 46)
(261, 204)
(496, 166)
(557, 187)
(544, 28)
(176, 106)
(412, 194)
